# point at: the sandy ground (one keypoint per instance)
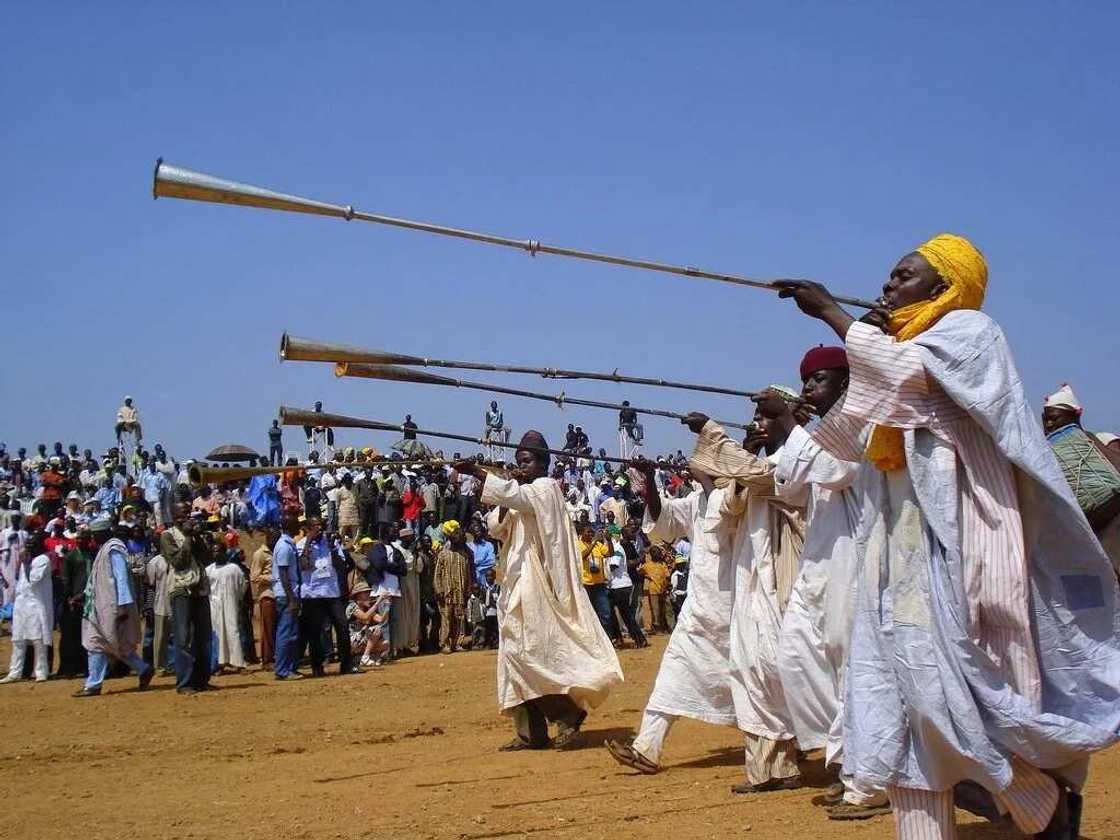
(408, 751)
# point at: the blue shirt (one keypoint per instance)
(484, 559)
(121, 577)
(321, 580)
(153, 485)
(109, 497)
(285, 561)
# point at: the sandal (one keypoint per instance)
(626, 755)
(832, 795)
(849, 811)
(788, 783)
(520, 743)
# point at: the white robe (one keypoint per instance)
(227, 590)
(549, 638)
(694, 679)
(986, 622)
(12, 542)
(769, 532)
(816, 628)
(33, 616)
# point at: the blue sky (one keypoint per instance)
(817, 140)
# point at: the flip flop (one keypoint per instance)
(849, 811)
(518, 744)
(626, 755)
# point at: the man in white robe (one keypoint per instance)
(555, 661)
(813, 647)
(13, 544)
(767, 552)
(33, 613)
(694, 679)
(984, 649)
(720, 665)
(227, 593)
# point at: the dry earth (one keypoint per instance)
(405, 752)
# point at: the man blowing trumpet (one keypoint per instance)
(555, 661)
(984, 653)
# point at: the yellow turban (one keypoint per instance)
(450, 527)
(962, 267)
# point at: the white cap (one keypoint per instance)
(1107, 437)
(1063, 398)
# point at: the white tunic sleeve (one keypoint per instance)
(676, 519)
(505, 492)
(804, 463)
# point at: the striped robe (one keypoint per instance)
(985, 629)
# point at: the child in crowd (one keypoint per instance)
(490, 609)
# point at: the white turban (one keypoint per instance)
(1064, 398)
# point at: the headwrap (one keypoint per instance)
(961, 265)
(823, 358)
(450, 527)
(1064, 398)
(1106, 437)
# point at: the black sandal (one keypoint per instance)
(626, 755)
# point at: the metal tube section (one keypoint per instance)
(178, 182)
(294, 348)
(391, 373)
(296, 417)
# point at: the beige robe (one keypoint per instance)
(549, 639)
(767, 551)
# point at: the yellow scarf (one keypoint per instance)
(962, 267)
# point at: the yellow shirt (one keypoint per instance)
(657, 577)
(597, 555)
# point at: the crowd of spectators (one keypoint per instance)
(431, 586)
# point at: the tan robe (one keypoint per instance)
(101, 631)
(549, 640)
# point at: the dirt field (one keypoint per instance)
(400, 753)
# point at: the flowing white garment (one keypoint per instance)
(12, 542)
(33, 616)
(816, 628)
(227, 590)
(985, 623)
(549, 639)
(694, 679)
(766, 550)
(405, 632)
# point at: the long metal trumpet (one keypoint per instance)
(177, 182)
(394, 373)
(293, 348)
(302, 417)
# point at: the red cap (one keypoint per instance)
(232, 539)
(823, 358)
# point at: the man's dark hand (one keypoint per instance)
(467, 467)
(755, 441)
(695, 421)
(811, 298)
(879, 317)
